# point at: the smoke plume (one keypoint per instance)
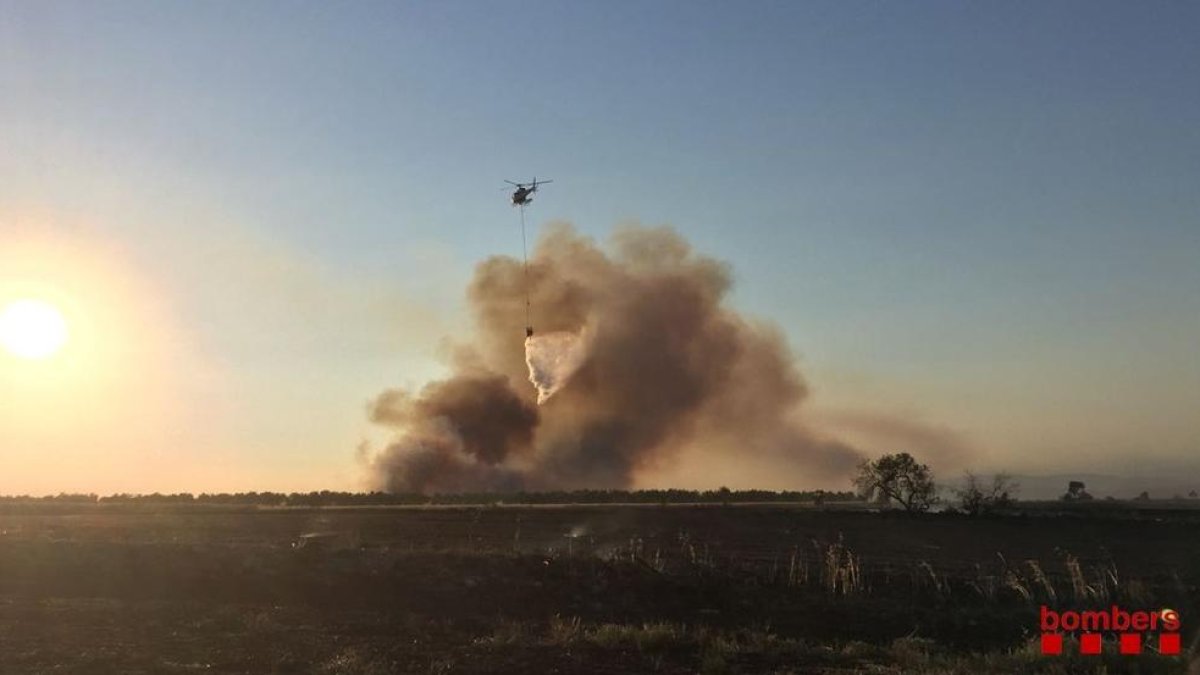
(642, 361)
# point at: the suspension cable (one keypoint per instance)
(525, 263)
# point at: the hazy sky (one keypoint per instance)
(978, 223)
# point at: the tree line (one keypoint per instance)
(337, 498)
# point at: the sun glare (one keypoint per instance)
(32, 329)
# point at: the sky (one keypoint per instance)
(977, 224)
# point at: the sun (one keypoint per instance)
(32, 329)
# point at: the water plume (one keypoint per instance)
(552, 359)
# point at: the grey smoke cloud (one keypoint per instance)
(943, 447)
(668, 365)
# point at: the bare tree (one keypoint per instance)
(898, 478)
(977, 499)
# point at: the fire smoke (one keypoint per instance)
(636, 359)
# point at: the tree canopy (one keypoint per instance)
(897, 478)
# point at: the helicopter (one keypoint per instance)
(524, 192)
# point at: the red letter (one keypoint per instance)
(1095, 621)
(1049, 620)
(1139, 621)
(1170, 619)
(1120, 619)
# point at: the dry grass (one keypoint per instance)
(841, 573)
(666, 591)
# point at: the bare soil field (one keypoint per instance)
(577, 589)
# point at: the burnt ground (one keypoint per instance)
(574, 589)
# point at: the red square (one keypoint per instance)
(1089, 643)
(1168, 643)
(1131, 643)
(1051, 643)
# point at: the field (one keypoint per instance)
(577, 589)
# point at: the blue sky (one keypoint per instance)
(980, 216)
